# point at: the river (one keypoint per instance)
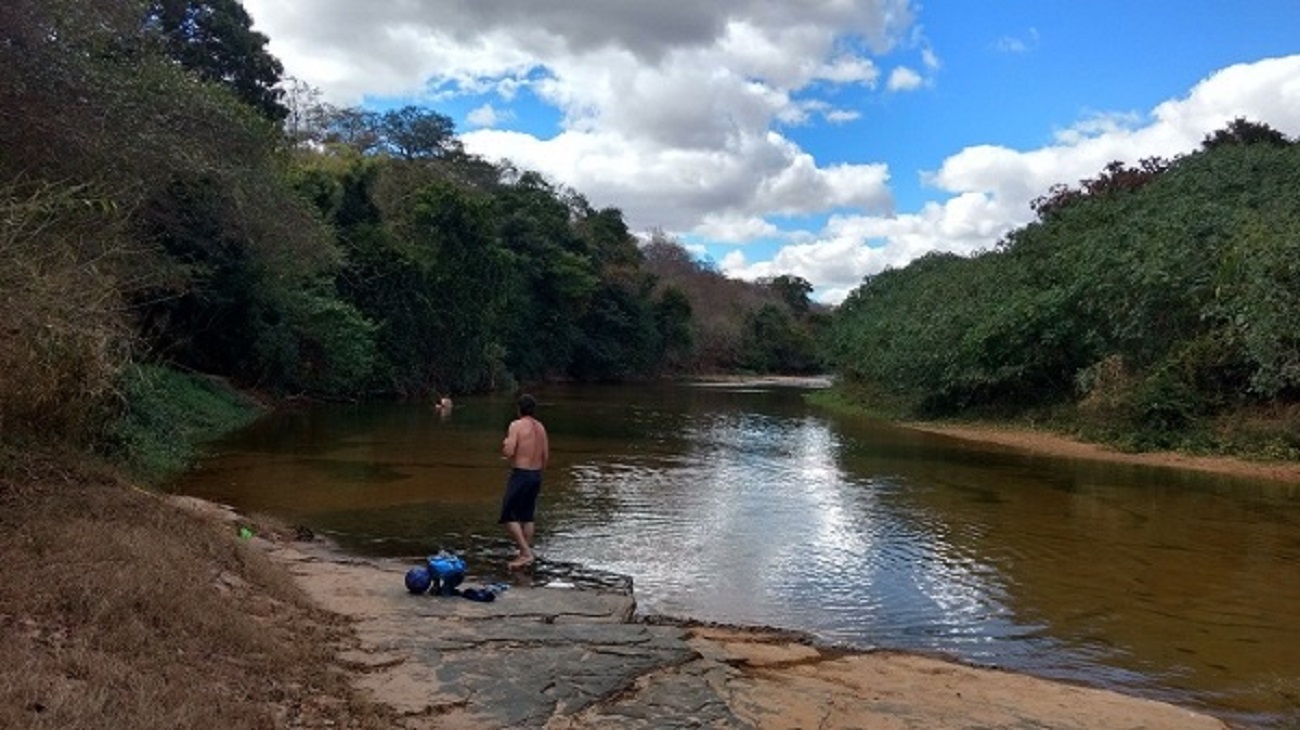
(745, 505)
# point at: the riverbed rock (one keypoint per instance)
(562, 653)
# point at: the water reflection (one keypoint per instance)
(750, 507)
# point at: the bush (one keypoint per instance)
(1166, 294)
(166, 414)
(315, 343)
(63, 338)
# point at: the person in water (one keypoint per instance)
(527, 449)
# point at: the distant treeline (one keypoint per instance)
(169, 201)
(1153, 306)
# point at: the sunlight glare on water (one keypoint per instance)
(747, 506)
(758, 524)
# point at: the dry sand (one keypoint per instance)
(1042, 442)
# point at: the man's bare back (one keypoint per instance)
(526, 445)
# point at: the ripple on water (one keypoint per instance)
(752, 508)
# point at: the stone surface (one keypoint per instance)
(569, 658)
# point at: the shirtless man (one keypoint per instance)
(527, 449)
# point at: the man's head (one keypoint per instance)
(527, 405)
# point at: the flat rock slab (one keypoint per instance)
(542, 656)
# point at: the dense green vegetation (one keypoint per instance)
(168, 200)
(1153, 307)
(170, 203)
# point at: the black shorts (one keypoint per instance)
(520, 501)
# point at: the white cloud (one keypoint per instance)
(850, 247)
(670, 111)
(930, 59)
(486, 116)
(1017, 45)
(395, 46)
(904, 79)
(679, 189)
(991, 186)
(1265, 91)
(731, 228)
(802, 111)
(1098, 125)
(850, 69)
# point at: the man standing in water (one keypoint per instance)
(527, 449)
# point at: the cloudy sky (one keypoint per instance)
(824, 138)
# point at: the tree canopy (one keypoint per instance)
(1148, 301)
(215, 40)
(170, 200)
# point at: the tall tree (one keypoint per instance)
(1241, 131)
(672, 314)
(794, 290)
(215, 39)
(413, 133)
(465, 275)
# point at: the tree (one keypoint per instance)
(413, 133)
(1242, 132)
(465, 271)
(215, 40)
(608, 240)
(353, 128)
(617, 336)
(553, 280)
(305, 118)
(728, 321)
(673, 318)
(1154, 302)
(793, 290)
(1114, 179)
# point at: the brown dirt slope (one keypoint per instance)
(119, 610)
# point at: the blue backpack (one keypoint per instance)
(447, 571)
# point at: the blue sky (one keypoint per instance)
(827, 138)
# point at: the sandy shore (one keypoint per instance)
(1042, 442)
(748, 381)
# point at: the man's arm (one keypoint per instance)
(511, 442)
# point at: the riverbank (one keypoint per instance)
(811, 382)
(123, 609)
(553, 653)
(1057, 445)
(1046, 443)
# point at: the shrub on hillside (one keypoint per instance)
(64, 334)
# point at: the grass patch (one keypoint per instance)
(167, 415)
(860, 399)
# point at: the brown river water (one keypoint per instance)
(745, 505)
